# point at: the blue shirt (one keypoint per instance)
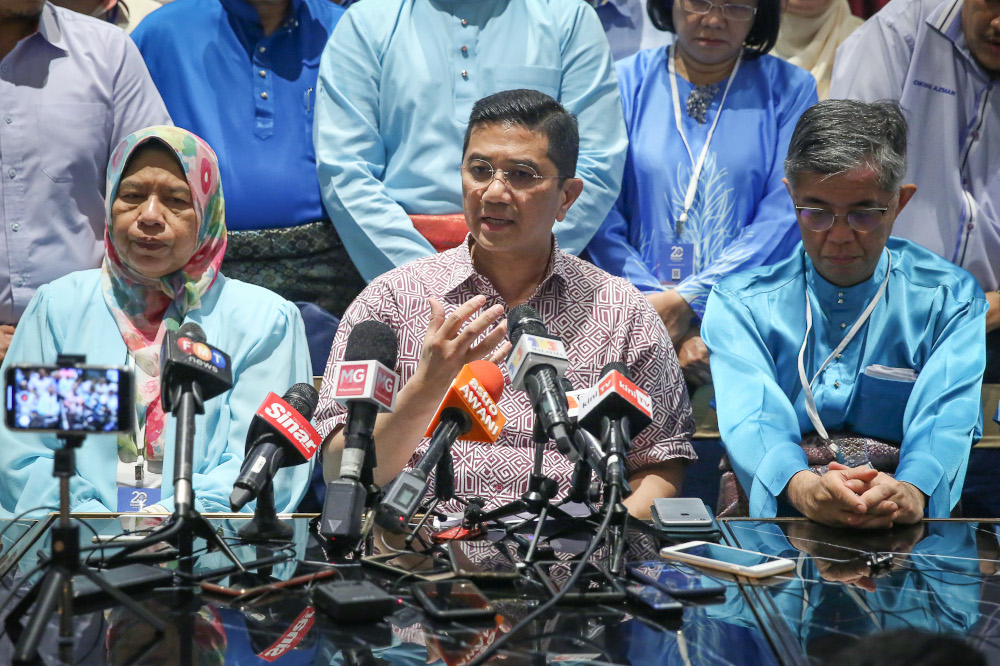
(390, 125)
(68, 94)
(915, 51)
(742, 215)
(262, 333)
(931, 320)
(249, 96)
(628, 27)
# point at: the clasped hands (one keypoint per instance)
(856, 497)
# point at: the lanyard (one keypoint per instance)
(807, 385)
(692, 187)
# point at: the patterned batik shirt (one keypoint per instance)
(599, 318)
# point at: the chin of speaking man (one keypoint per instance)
(857, 332)
(517, 174)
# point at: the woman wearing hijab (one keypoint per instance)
(164, 239)
(811, 31)
(709, 118)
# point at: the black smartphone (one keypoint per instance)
(414, 565)
(131, 579)
(74, 399)
(482, 560)
(595, 585)
(679, 582)
(453, 599)
(652, 598)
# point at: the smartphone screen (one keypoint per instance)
(75, 399)
(415, 565)
(734, 560)
(653, 598)
(453, 598)
(680, 582)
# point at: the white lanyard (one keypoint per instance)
(807, 385)
(692, 187)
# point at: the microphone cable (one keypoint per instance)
(556, 598)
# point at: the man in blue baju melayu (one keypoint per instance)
(855, 332)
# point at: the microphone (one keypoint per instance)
(468, 412)
(186, 358)
(608, 412)
(535, 364)
(191, 372)
(615, 396)
(366, 383)
(280, 436)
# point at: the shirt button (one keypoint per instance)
(465, 22)
(838, 356)
(970, 226)
(11, 173)
(263, 73)
(465, 49)
(8, 120)
(840, 300)
(263, 95)
(15, 227)
(465, 74)
(836, 385)
(18, 281)
(842, 325)
(840, 294)
(262, 49)
(975, 136)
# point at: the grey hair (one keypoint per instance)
(838, 135)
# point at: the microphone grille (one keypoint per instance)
(524, 319)
(489, 377)
(191, 330)
(616, 365)
(372, 341)
(303, 399)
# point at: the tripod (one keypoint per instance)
(55, 590)
(186, 523)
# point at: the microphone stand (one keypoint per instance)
(618, 438)
(186, 523)
(536, 500)
(444, 491)
(55, 590)
(265, 525)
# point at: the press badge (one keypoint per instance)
(131, 500)
(678, 264)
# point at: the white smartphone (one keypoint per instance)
(725, 558)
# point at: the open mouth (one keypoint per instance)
(495, 222)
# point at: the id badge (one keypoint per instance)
(678, 264)
(131, 500)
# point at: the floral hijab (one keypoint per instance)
(143, 307)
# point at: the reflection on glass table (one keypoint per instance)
(848, 585)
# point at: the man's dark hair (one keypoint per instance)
(535, 111)
(763, 33)
(838, 135)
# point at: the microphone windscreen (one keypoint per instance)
(616, 365)
(489, 376)
(302, 398)
(372, 341)
(193, 331)
(524, 319)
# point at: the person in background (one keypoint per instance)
(709, 119)
(242, 75)
(125, 16)
(71, 88)
(940, 59)
(856, 335)
(627, 26)
(517, 180)
(397, 81)
(165, 237)
(811, 31)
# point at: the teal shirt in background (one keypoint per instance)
(931, 319)
(262, 333)
(397, 82)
